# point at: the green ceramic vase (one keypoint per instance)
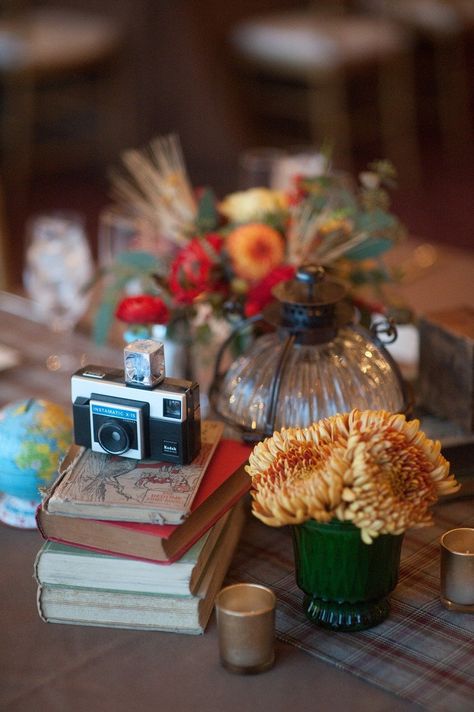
(346, 582)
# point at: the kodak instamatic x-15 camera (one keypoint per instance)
(137, 412)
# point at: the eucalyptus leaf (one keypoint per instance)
(207, 217)
(138, 261)
(317, 202)
(375, 221)
(348, 200)
(275, 220)
(372, 247)
(372, 276)
(105, 313)
(102, 321)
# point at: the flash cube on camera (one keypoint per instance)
(117, 412)
(144, 363)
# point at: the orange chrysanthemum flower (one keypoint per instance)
(373, 468)
(255, 249)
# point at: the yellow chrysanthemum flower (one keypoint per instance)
(373, 468)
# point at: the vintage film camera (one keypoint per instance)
(138, 412)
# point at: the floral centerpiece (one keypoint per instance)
(199, 257)
(350, 485)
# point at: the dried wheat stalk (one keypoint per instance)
(157, 187)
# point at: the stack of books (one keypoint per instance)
(140, 544)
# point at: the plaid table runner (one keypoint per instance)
(422, 652)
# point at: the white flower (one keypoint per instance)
(253, 204)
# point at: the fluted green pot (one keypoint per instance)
(346, 582)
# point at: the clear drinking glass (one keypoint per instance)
(118, 232)
(58, 267)
(256, 166)
(306, 161)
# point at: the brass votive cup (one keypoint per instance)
(246, 627)
(457, 570)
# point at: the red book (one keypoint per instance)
(223, 484)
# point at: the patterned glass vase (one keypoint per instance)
(346, 582)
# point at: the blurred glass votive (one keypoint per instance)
(256, 166)
(457, 570)
(246, 626)
(302, 161)
(117, 232)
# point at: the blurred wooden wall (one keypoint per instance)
(178, 79)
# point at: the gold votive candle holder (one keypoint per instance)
(457, 570)
(246, 627)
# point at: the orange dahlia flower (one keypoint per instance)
(255, 249)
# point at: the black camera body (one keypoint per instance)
(123, 415)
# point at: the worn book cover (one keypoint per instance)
(146, 611)
(65, 565)
(224, 483)
(99, 485)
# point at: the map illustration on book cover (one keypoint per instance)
(106, 486)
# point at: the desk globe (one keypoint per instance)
(34, 435)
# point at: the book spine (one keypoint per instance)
(39, 600)
(198, 630)
(39, 521)
(81, 608)
(36, 564)
(206, 604)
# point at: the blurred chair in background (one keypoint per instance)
(57, 71)
(302, 64)
(444, 24)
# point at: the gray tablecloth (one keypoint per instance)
(61, 668)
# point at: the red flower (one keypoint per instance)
(142, 309)
(297, 191)
(261, 294)
(193, 270)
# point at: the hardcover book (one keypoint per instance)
(60, 564)
(223, 484)
(102, 486)
(146, 611)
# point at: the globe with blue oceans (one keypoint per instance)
(34, 435)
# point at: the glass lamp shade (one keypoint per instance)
(315, 362)
(317, 380)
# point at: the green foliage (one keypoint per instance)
(127, 267)
(385, 171)
(203, 334)
(135, 263)
(382, 229)
(207, 217)
(375, 276)
(275, 220)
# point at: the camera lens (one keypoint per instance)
(113, 437)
